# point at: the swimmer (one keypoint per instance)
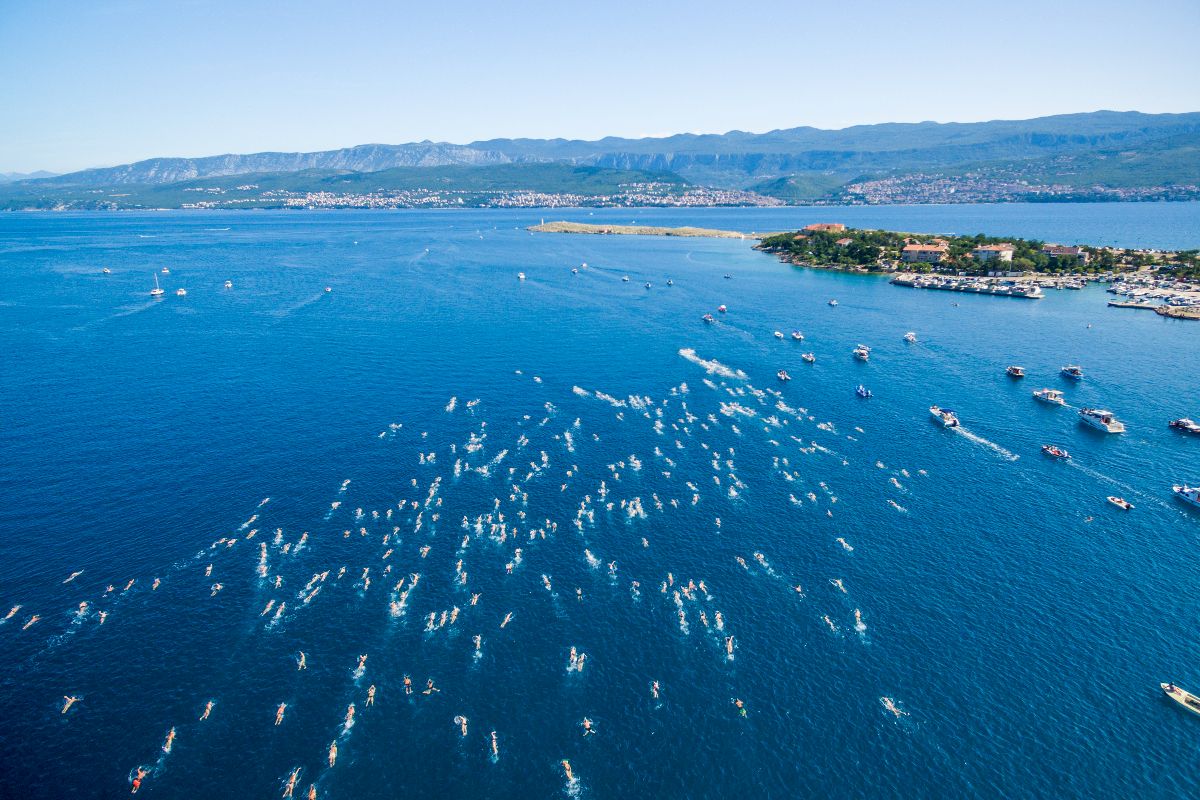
(73, 576)
(31, 622)
(290, 786)
(891, 706)
(279, 713)
(507, 619)
(729, 645)
(349, 714)
(362, 663)
(302, 661)
(587, 727)
(216, 587)
(129, 585)
(478, 642)
(461, 721)
(838, 583)
(11, 613)
(474, 598)
(579, 594)
(208, 707)
(741, 707)
(371, 695)
(155, 585)
(166, 748)
(332, 753)
(137, 781)
(407, 685)
(312, 791)
(207, 574)
(103, 616)
(70, 701)
(495, 746)
(654, 689)
(430, 688)
(566, 765)
(798, 589)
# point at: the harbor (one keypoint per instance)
(1001, 287)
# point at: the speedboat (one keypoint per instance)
(778, 334)
(809, 357)
(782, 375)
(708, 318)
(1015, 372)
(181, 292)
(157, 291)
(624, 279)
(166, 271)
(670, 282)
(1120, 502)
(722, 309)
(1052, 396)
(1055, 452)
(521, 276)
(1181, 696)
(1184, 424)
(228, 284)
(910, 337)
(797, 336)
(728, 276)
(1073, 372)
(1101, 420)
(328, 289)
(647, 284)
(574, 270)
(862, 352)
(862, 391)
(106, 271)
(1188, 494)
(944, 417)
(833, 302)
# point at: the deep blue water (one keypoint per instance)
(1020, 622)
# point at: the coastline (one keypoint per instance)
(640, 230)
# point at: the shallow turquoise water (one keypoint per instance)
(1020, 622)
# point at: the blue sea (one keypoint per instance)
(391, 468)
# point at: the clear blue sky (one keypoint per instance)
(100, 83)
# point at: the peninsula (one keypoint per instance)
(639, 230)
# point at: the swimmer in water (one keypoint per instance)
(587, 727)
(741, 707)
(478, 642)
(290, 787)
(362, 663)
(798, 589)
(371, 695)
(729, 645)
(73, 576)
(11, 613)
(579, 594)
(279, 713)
(349, 714)
(495, 746)
(31, 621)
(208, 707)
(137, 780)
(407, 685)
(654, 689)
(70, 700)
(166, 748)
(838, 583)
(891, 706)
(461, 721)
(312, 791)
(301, 662)
(474, 598)
(566, 765)
(507, 618)
(155, 585)
(332, 753)
(430, 688)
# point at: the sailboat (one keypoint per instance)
(157, 290)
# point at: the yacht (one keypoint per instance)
(833, 302)
(809, 357)
(862, 352)
(1073, 372)
(1015, 372)
(521, 276)
(708, 318)
(862, 391)
(910, 337)
(944, 417)
(1101, 420)
(157, 290)
(782, 375)
(181, 292)
(228, 284)
(1184, 424)
(106, 271)
(778, 334)
(797, 336)
(1052, 396)
(1188, 494)
(722, 309)
(1120, 502)
(1184, 698)
(1055, 452)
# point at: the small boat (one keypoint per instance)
(1015, 372)
(862, 391)
(944, 416)
(1188, 494)
(624, 279)
(583, 265)
(1073, 372)
(728, 276)
(797, 336)
(722, 309)
(1052, 396)
(574, 270)
(670, 282)
(228, 284)
(181, 292)
(106, 271)
(778, 334)
(833, 302)
(328, 289)
(1184, 698)
(1120, 502)
(782, 375)
(1184, 424)
(521, 276)
(166, 271)
(647, 284)
(910, 337)
(862, 352)
(157, 291)
(809, 357)
(708, 318)
(1055, 452)
(1101, 420)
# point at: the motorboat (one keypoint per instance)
(228, 284)
(670, 282)
(1055, 452)
(778, 334)
(1181, 696)
(624, 279)
(862, 352)
(1015, 372)
(166, 271)
(157, 291)
(862, 391)
(944, 417)
(797, 336)
(521, 276)
(328, 289)
(1052, 396)
(1101, 420)
(1072, 371)
(1184, 424)
(721, 308)
(106, 271)
(910, 337)
(1120, 502)
(809, 357)
(574, 270)
(728, 276)
(833, 302)
(181, 292)
(647, 284)
(1188, 494)
(708, 318)
(782, 375)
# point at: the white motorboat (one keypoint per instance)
(1184, 424)
(1015, 372)
(809, 357)
(520, 276)
(1101, 420)
(1072, 371)
(181, 292)
(944, 416)
(228, 284)
(1052, 396)
(910, 337)
(862, 352)
(1181, 696)
(797, 336)
(1120, 502)
(778, 334)
(1188, 494)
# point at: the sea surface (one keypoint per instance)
(581, 452)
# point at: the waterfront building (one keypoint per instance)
(993, 252)
(917, 253)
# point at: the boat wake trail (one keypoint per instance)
(712, 367)
(974, 437)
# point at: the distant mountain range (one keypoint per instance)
(1100, 155)
(9, 177)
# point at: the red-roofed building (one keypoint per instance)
(844, 242)
(993, 252)
(826, 227)
(1066, 252)
(924, 253)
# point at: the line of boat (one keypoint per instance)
(992, 286)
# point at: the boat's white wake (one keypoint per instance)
(974, 437)
(712, 366)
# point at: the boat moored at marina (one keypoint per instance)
(1052, 396)
(944, 416)
(1101, 420)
